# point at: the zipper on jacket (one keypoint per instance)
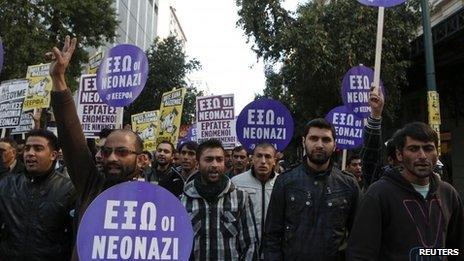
(263, 207)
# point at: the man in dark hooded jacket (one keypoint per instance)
(411, 209)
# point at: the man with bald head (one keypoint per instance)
(8, 156)
(121, 153)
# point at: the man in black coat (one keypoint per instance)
(312, 207)
(35, 205)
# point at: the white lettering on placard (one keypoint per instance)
(126, 247)
(121, 81)
(264, 133)
(148, 216)
(112, 240)
(345, 119)
(348, 132)
(357, 97)
(140, 247)
(359, 82)
(113, 64)
(115, 247)
(260, 117)
(98, 247)
(129, 214)
(110, 213)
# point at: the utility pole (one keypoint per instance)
(433, 100)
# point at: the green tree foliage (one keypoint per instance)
(311, 49)
(31, 28)
(168, 66)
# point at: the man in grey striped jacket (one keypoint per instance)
(222, 216)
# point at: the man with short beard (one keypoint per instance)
(121, 152)
(411, 208)
(222, 215)
(163, 172)
(312, 207)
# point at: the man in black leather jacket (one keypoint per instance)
(35, 205)
(163, 171)
(312, 207)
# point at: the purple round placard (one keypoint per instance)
(356, 85)
(135, 221)
(122, 75)
(384, 3)
(265, 120)
(348, 127)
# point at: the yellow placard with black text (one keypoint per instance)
(40, 86)
(145, 124)
(170, 116)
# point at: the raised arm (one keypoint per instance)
(79, 160)
(371, 153)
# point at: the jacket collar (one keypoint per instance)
(191, 191)
(394, 175)
(40, 178)
(271, 179)
(315, 173)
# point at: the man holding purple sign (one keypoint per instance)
(121, 152)
(312, 207)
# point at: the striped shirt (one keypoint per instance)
(224, 230)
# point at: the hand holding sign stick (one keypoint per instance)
(378, 46)
(376, 102)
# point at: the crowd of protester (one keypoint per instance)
(244, 205)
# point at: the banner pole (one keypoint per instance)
(378, 47)
(345, 152)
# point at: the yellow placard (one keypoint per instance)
(40, 86)
(170, 115)
(149, 145)
(434, 108)
(94, 62)
(436, 128)
(145, 124)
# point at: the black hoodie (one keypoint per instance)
(394, 221)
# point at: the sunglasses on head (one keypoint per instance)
(119, 151)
